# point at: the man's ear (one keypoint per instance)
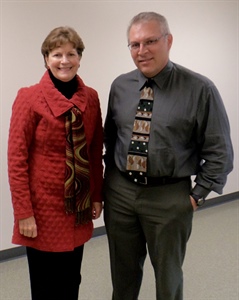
(170, 40)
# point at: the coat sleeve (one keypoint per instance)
(96, 152)
(22, 128)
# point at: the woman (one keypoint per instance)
(55, 168)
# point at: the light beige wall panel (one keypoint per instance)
(205, 40)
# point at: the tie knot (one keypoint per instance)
(148, 83)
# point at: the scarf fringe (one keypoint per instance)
(70, 205)
(84, 217)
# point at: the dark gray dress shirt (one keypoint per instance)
(190, 132)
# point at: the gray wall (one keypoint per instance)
(205, 40)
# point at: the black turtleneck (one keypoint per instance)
(68, 88)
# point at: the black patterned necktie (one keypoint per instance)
(137, 158)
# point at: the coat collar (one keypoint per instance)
(58, 103)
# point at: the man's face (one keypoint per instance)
(149, 47)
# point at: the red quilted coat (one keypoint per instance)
(36, 162)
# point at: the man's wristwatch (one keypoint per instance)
(198, 199)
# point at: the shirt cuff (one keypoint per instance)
(200, 191)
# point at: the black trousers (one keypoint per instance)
(55, 275)
(141, 219)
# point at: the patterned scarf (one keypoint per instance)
(77, 177)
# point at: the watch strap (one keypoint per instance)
(198, 199)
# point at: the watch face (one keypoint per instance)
(200, 201)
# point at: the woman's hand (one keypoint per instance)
(28, 227)
(96, 210)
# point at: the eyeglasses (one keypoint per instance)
(135, 46)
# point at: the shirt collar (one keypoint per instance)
(160, 79)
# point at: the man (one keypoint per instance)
(188, 135)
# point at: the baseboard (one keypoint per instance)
(20, 251)
(220, 200)
(99, 231)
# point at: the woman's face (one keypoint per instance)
(63, 62)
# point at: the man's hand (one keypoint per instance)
(194, 204)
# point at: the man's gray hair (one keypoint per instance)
(150, 16)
